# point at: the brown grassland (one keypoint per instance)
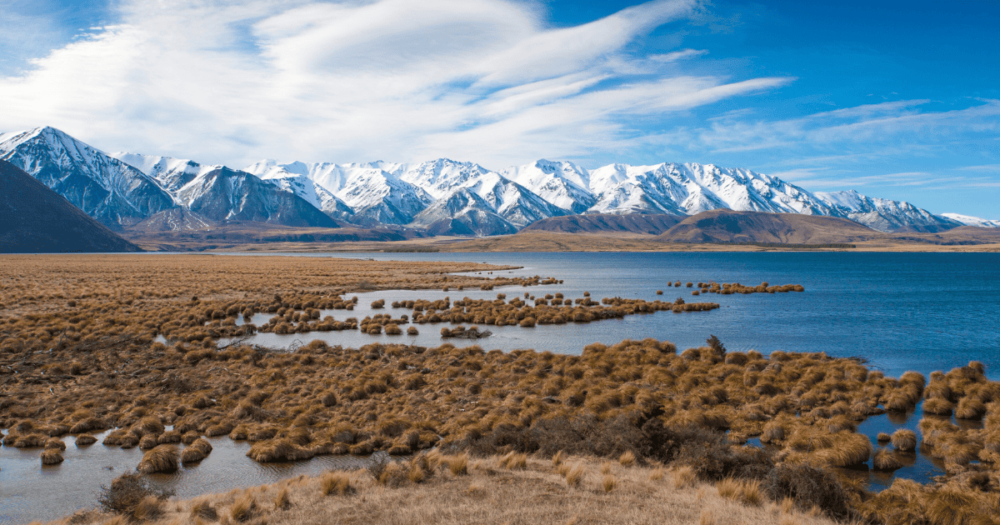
(544, 241)
(77, 355)
(489, 490)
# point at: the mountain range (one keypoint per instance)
(442, 197)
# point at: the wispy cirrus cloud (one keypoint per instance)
(489, 80)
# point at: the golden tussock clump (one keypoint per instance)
(574, 475)
(198, 450)
(885, 459)
(685, 477)
(904, 440)
(337, 484)
(162, 459)
(514, 461)
(746, 492)
(51, 456)
(609, 483)
(245, 508)
(84, 440)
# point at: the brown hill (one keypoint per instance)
(35, 219)
(727, 226)
(235, 233)
(652, 224)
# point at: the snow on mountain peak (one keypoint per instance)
(972, 221)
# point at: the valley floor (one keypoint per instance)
(568, 242)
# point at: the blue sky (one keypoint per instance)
(895, 99)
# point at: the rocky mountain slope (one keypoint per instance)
(35, 219)
(642, 223)
(105, 188)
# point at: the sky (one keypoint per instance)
(898, 100)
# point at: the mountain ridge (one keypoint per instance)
(371, 194)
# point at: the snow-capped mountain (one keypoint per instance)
(217, 193)
(971, 221)
(442, 178)
(229, 195)
(443, 195)
(563, 184)
(171, 173)
(114, 193)
(883, 214)
(463, 212)
(687, 189)
(374, 194)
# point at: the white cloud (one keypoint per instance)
(233, 81)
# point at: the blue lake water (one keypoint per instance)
(899, 311)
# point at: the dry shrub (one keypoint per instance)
(747, 492)
(126, 492)
(808, 487)
(163, 458)
(336, 483)
(715, 460)
(244, 509)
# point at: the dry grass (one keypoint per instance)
(488, 495)
(162, 459)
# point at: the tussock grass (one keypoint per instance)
(51, 456)
(244, 509)
(904, 440)
(743, 491)
(163, 458)
(336, 484)
(886, 460)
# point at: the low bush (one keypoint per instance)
(808, 487)
(125, 494)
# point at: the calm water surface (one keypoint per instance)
(901, 312)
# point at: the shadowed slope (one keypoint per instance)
(35, 219)
(652, 224)
(731, 226)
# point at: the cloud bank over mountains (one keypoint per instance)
(483, 79)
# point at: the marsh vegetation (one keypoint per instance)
(77, 355)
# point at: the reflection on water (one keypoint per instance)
(30, 491)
